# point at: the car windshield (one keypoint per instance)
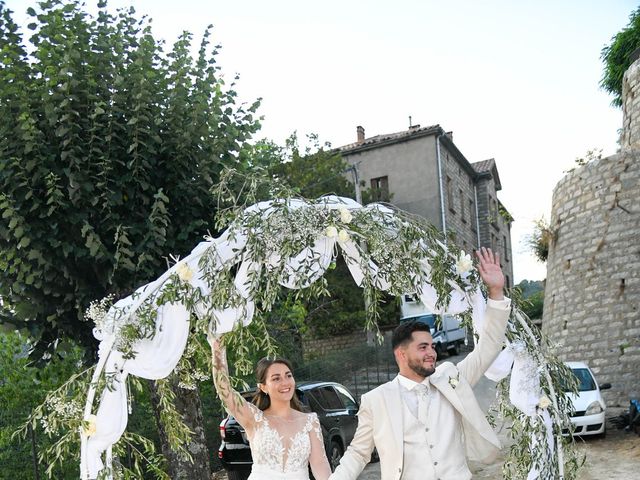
(585, 379)
(428, 319)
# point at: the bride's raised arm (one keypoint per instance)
(235, 404)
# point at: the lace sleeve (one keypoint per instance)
(317, 458)
(232, 400)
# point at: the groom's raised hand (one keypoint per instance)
(491, 273)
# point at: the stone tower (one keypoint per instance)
(592, 293)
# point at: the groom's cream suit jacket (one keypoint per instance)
(380, 421)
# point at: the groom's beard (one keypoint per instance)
(418, 367)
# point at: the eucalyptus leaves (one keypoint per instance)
(230, 281)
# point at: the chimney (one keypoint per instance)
(360, 131)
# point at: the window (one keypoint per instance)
(585, 380)
(327, 398)
(493, 212)
(380, 189)
(462, 205)
(472, 215)
(314, 404)
(450, 195)
(348, 401)
(505, 248)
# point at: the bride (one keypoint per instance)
(284, 440)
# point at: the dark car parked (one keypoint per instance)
(335, 406)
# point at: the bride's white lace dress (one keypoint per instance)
(284, 448)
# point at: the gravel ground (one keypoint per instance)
(613, 457)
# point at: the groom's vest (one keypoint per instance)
(420, 443)
(417, 462)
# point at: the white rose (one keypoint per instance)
(184, 272)
(345, 215)
(544, 402)
(331, 232)
(343, 236)
(89, 426)
(464, 264)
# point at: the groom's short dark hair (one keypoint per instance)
(403, 332)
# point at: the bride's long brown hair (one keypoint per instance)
(261, 399)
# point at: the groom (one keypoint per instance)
(423, 421)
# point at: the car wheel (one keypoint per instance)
(238, 474)
(453, 349)
(439, 350)
(335, 455)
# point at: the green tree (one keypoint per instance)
(533, 305)
(533, 297)
(108, 149)
(22, 387)
(616, 57)
(529, 287)
(314, 170)
(541, 239)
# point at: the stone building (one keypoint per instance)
(592, 294)
(421, 171)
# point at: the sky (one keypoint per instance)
(517, 81)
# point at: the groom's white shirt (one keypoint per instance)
(456, 421)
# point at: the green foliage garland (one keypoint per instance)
(399, 245)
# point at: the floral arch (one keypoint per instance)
(225, 282)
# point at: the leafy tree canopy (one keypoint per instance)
(530, 287)
(616, 57)
(542, 238)
(314, 170)
(108, 149)
(532, 292)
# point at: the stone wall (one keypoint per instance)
(314, 348)
(459, 216)
(494, 229)
(592, 295)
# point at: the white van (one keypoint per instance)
(445, 329)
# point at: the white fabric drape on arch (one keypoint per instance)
(157, 357)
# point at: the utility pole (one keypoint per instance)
(356, 182)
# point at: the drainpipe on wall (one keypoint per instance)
(442, 210)
(475, 194)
